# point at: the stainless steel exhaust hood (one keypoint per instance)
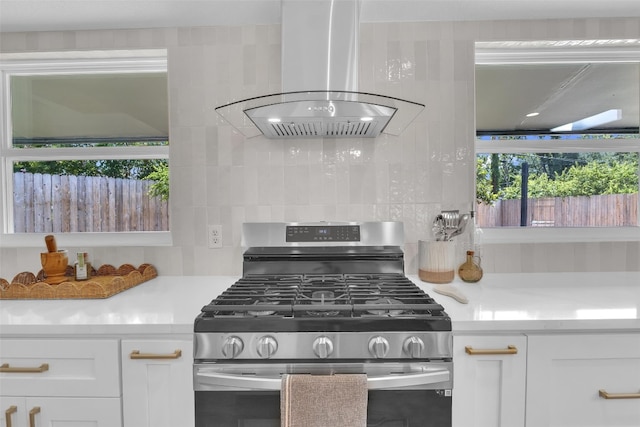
(320, 97)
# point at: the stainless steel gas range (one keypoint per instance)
(323, 299)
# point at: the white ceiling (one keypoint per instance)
(54, 15)
(559, 93)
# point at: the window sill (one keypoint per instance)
(559, 235)
(90, 240)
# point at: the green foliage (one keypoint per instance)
(587, 174)
(484, 187)
(126, 169)
(160, 175)
(595, 178)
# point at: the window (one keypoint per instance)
(85, 147)
(557, 141)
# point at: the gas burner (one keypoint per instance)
(326, 300)
(322, 313)
(323, 297)
(259, 313)
(385, 304)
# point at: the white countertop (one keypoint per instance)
(545, 302)
(499, 303)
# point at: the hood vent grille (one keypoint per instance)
(338, 129)
(294, 130)
(350, 129)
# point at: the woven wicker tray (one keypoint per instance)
(103, 283)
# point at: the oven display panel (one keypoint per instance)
(323, 233)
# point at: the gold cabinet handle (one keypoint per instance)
(605, 395)
(135, 354)
(511, 349)
(32, 416)
(5, 368)
(7, 414)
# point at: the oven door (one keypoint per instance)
(248, 395)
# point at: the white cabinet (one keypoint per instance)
(77, 382)
(564, 380)
(489, 380)
(566, 374)
(157, 385)
(60, 382)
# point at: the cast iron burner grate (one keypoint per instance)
(324, 296)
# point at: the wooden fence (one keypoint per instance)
(45, 203)
(614, 210)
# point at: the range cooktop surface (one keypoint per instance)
(312, 302)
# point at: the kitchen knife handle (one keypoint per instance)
(32, 416)
(8, 413)
(135, 354)
(605, 395)
(6, 369)
(511, 349)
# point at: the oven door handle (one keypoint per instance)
(408, 380)
(274, 383)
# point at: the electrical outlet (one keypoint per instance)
(214, 236)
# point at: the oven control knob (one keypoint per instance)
(323, 347)
(232, 347)
(378, 347)
(413, 347)
(267, 347)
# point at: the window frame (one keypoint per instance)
(97, 62)
(573, 52)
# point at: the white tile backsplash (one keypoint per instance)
(218, 177)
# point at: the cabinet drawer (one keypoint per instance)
(60, 368)
(567, 372)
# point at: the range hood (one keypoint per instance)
(320, 97)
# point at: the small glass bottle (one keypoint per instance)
(82, 266)
(470, 271)
(476, 239)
